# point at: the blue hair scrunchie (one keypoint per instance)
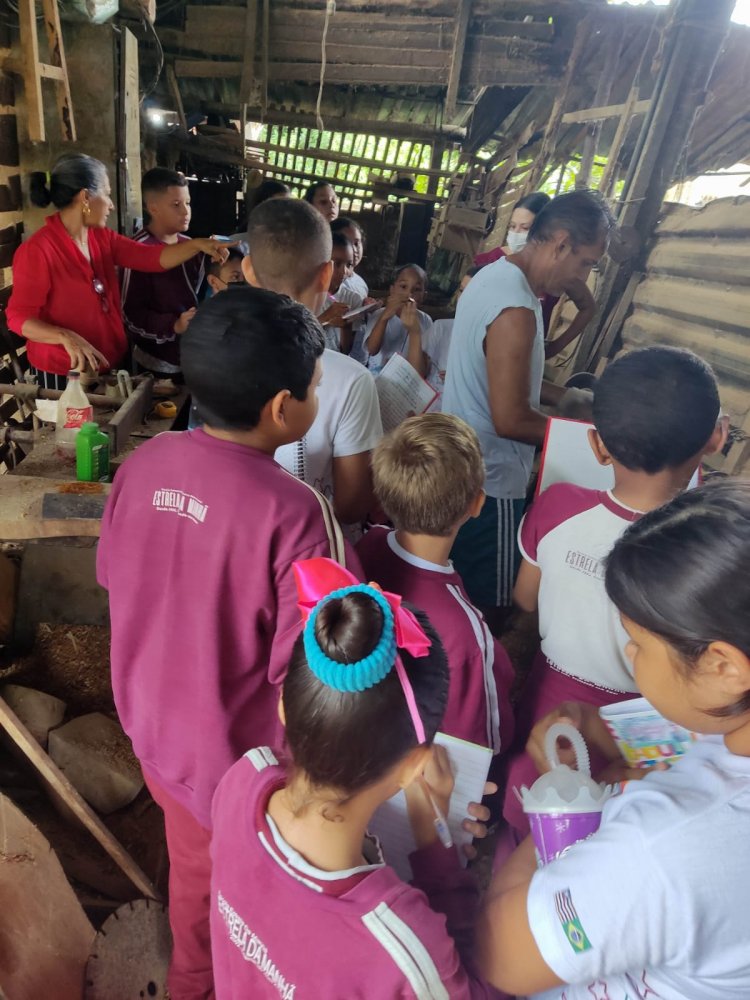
(364, 674)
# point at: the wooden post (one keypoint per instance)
(57, 61)
(128, 135)
(265, 44)
(603, 90)
(31, 78)
(174, 90)
(695, 37)
(248, 59)
(555, 118)
(457, 56)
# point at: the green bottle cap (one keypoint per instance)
(89, 427)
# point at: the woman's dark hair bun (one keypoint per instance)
(39, 192)
(349, 628)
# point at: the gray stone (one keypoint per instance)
(97, 758)
(38, 711)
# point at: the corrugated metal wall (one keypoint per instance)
(696, 294)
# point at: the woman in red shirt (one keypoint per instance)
(66, 296)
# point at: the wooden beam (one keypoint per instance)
(603, 90)
(555, 119)
(336, 157)
(601, 113)
(265, 45)
(31, 78)
(174, 90)
(248, 57)
(57, 62)
(457, 55)
(344, 123)
(626, 120)
(54, 777)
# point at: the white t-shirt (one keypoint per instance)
(655, 905)
(354, 300)
(497, 287)
(436, 343)
(568, 532)
(356, 284)
(395, 338)
(347, 423)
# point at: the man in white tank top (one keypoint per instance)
(494, 379)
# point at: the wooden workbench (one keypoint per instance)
(22, 489)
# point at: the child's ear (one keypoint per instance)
(249, 272)
(280, 709)
(599, 449)
(213, 283)
(476, 508)
(729, 669)
(275, 408)
(324, 276)
(718, 439)
(413, 765)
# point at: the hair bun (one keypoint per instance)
(349, 628)
(39, 192)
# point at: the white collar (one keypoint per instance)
(400, 551)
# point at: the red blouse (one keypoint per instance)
(53, 282)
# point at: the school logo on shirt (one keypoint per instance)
(183, 504)
(582, 562)
(571, 923)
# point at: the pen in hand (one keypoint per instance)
(441, 824)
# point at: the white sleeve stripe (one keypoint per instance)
(261, 758)
(487, 645)
(407, 951)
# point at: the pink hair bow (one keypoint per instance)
(317, 578)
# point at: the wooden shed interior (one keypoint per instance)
(431, 118)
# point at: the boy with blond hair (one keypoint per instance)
(428, 476)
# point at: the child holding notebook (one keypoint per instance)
(656, 413)
(428, 476)
(302, 902)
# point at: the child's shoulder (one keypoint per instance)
(562, 501)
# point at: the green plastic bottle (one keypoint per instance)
(92, 454)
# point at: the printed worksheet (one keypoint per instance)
(402, 392)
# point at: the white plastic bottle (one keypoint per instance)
(73, 411)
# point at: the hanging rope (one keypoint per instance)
(330, 11)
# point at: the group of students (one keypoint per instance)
(279, 684)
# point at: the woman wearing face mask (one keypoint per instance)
(522, 217)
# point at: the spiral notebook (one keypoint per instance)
(390, 824)
(402, 392)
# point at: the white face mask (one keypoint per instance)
(517, 241)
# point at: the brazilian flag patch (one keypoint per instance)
(571, 922)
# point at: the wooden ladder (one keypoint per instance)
(33, 71)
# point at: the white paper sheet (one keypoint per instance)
(402, 392)
(471, 764)
(567, 458)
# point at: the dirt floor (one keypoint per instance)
(72, 663)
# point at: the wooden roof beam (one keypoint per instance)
(457, 55)
(344, 123)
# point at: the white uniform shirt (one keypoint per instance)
(497, 287)
(357, 284)
(567, 533)
(655, 905)
(395, 338)
(347, 423)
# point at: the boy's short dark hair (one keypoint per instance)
(240, 350)
(655, 408)
(289, 241)
(427, 473)
(158, 179)
(214, 266)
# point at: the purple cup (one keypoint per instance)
(554, 833)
